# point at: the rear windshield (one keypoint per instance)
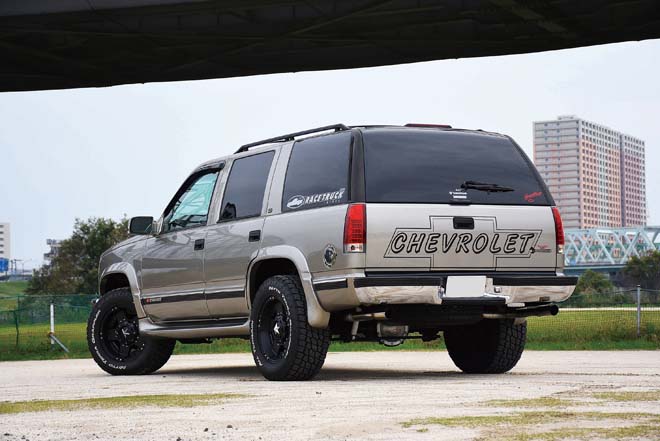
(430, 166)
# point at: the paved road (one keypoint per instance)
(357, 395)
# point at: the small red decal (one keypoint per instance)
(532, 196)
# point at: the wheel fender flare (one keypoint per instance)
(317, 317)
(127, 270)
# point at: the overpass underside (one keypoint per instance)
(47, 44)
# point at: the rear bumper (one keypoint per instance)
(514, 290)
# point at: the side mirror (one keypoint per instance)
(140, 225)
(156, 227)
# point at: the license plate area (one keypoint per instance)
(465, 286)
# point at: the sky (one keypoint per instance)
(124, 150)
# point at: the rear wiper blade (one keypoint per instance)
(484, 186)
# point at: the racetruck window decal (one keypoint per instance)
(328, 198)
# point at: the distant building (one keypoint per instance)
(595, 174)
(5, 241)
(54, 249)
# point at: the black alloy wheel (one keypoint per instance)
(120, 335)
(114, 339)
(274, 329)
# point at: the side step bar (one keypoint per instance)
(234, 327)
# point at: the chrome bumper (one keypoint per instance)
(337, 293)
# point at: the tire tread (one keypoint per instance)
(490, 347)
(313, 342)
(160, 350)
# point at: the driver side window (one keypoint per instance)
(191, 208)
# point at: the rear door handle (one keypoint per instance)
(199, 244)
(254, 236)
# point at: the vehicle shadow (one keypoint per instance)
(250, 373)
(350, 374)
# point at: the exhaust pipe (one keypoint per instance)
(532, 311)
(366, 317)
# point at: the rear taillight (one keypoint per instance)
(559, 230)
(355, 229)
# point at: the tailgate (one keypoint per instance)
(442, 237)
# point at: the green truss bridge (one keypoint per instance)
(607, 249)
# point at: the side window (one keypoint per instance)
(246, 185)
(317, 174)
(191, 208)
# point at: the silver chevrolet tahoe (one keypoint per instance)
(369, 233)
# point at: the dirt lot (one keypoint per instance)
(376, 396)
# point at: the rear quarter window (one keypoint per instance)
(317, 174)
(428, 166)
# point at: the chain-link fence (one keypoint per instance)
(619, 319)
(26, 323)
(628, 318)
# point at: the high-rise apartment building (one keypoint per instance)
(595, 174)
(5, 241)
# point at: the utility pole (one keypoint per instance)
(639, 311)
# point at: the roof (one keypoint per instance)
(278, 141)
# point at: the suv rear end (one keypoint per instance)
(443, 230)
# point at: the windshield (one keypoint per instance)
(440, 167)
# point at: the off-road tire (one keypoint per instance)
(489, 347)
(303, 354)
(153, 354)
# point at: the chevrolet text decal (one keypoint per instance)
(441, 239)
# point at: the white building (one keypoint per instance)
(55, 246)
(5, 241)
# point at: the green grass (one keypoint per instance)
(13, 288)
(556, 401)
(132, 401)
(630, 396)
(570, 330)
(528, 418)
(532, 402)
(8, 304)
(556, 418)
(634, 432)
(592, 326)
(551, 411)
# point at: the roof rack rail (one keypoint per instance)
(429, 126)
(292, 136)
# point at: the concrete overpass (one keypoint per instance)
(46, 44)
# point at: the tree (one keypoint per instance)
(75, 268)
(591, 283)
(644, 270)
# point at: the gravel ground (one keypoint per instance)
(358, 395)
